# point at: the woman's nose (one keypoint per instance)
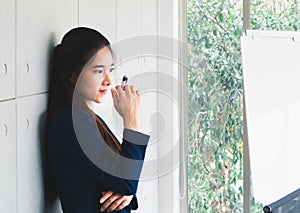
(107, 79)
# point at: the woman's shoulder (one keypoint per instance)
(70, 125)
(68, 114)
(66, 120)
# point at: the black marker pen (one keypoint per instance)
(124, 82)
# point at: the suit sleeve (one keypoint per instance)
(87, 150)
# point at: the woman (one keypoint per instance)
(85, 163)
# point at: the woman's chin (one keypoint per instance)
(100, 100)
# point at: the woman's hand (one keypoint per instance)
(113, 201)
(127, 103)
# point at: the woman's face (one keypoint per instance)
(96, 78)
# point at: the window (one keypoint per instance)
(215, 106)
(215, 121)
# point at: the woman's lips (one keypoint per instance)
(103, 91)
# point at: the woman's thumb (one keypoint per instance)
(114, 95)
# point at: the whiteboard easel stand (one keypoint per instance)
(246, 162)
(246, 159)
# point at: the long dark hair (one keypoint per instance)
(69, 57)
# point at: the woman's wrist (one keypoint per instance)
(132, 127)
(132, 124)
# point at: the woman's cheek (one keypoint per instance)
(87, 88)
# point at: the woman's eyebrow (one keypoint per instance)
(101, 66)
(98, 66)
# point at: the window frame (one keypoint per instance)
(183, 97)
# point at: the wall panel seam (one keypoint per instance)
(78, 12)
(15, 111)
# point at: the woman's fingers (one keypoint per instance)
(116, 204)
(127, 103)
(114, 201)
(105, 196)
(109, 201)
(119, 90)
(114, 96)
(127, 88)
(123, 204)
(132, 89)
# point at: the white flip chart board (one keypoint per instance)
(271, 71)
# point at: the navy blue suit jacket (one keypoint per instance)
(82, 173)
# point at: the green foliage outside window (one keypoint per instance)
(215, 97)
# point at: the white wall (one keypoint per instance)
(31, 29)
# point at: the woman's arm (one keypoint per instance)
(82, 146)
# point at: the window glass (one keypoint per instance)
(215, 158)
(275, 15)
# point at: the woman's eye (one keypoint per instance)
(112, 69)
(98, 71)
